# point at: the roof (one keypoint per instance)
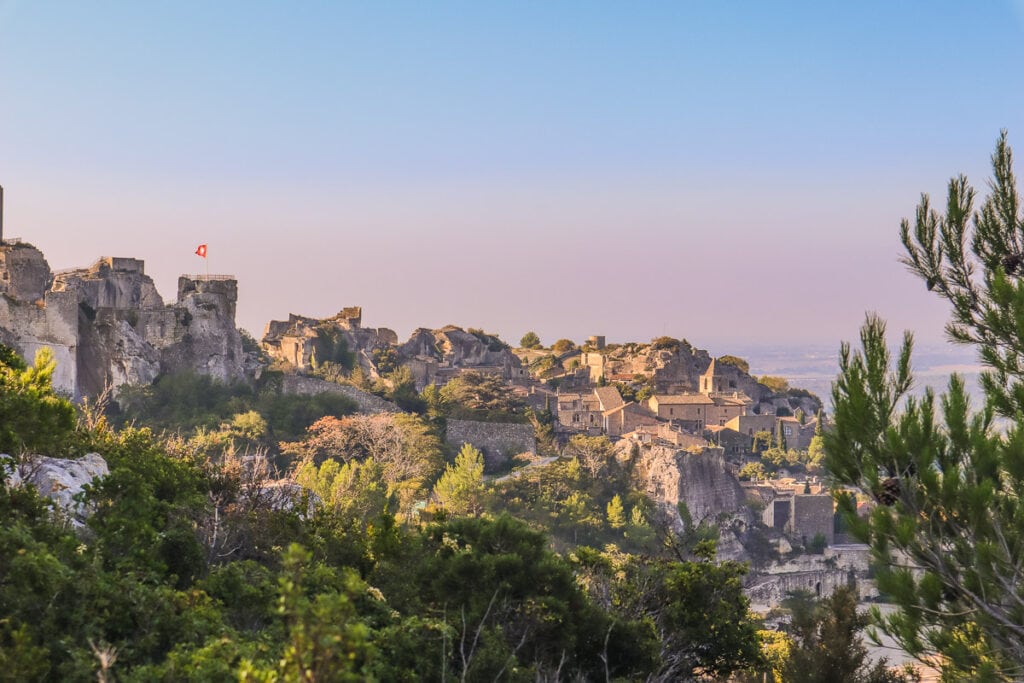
(609, 397)
(683, 399)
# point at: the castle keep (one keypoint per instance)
(107, 324)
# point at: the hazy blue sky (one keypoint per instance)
(725, 172)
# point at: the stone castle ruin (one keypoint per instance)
(432, 356)
(107, 324)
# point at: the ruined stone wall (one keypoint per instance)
(813, 515)
(32, 318)
(498, 441)
(206, 339)
(300, 385)
(24, 272)
(771, 590)
(107, 324)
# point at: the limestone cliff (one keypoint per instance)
(107, 324)
(703, 483)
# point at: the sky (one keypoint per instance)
(732, 173)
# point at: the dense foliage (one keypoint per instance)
(192, 566)
(947, 532)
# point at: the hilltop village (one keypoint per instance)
(713, 444)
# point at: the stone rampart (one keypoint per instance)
(300, 385)
(498, 441)
(772, 589)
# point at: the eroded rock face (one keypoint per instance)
(676, 369)
(431, 355)
(303, 342)
(206, 340)
(700, 481)
(107, 324)
(57, 479)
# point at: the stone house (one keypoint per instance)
(802, 516)
(726, 408)
(626, 418)
(719, 378)
(733, 443)
(696, 411)
(798, 436)
(689, 410)
(580, 412)
(752, 424)
(601, 411)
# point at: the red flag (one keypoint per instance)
(201, 251)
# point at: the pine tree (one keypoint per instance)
(947, 532)
(461, 488)
(616, 513)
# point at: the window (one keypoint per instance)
(671, 411)
(787, 430)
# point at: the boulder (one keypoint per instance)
(58, 479)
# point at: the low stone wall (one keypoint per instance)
(771, 590)
(299, 385)
(498, 441)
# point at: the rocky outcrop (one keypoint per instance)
(107, 324)
(700, 480)
(33, 316)
(674, 367)
(304, 342)
(703, 484)
(204, 338)
(57, 479)
(432, 356)
(435, 356)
